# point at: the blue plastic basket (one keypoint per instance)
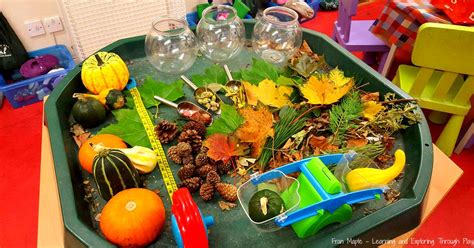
(33, 90)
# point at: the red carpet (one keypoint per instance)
(20, 134)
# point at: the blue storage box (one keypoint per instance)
(33, 90)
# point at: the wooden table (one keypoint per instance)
(50, 222)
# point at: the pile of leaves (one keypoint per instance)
(308, 108)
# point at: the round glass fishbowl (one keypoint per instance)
(277, 35)
(221, 33)
(170, 45)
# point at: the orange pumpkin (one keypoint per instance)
(133, 218)
(86, 152)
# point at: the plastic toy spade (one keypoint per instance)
(203, 94)
(322, 200)
(189, 110)
(188, 225)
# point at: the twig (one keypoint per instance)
(305, 113)
(399, 100)
(360, 86)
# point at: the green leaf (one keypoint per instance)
(213, 74)
(285, 81)
(150, 88)
(259, 71)
(129, 127)
(229, 121)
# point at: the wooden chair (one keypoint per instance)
(443, 78)
(355, 35)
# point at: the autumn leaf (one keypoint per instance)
(356, 142)
(258, 126)
(321, 144)
(370, 96)
(223, 147)
(268, 93)
(371, 109)
(326, 88)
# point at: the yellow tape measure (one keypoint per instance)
(166, 172)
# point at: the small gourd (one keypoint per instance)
(110, 98)
(113, 172)
(264, 205)
(104, 70)
(133, 218)
(87, 153)
(365, 178)
(143, 159)
(88, 112)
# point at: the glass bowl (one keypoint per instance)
(170, 46)
(221, 33)
(278, 182)
(277, 35)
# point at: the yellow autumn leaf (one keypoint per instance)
(268, 93)
(337, 76)
(371, 109)
(326, 89)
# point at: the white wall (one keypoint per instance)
(19, 11)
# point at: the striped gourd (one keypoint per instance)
(113, 172)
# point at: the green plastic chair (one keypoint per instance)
(443, 78)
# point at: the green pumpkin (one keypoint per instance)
(264, 205)
(113, 172)
(88, 112)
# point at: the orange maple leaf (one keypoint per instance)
(258, 126)
(223, 147)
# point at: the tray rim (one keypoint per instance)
(79, 230)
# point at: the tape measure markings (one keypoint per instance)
(165, 170)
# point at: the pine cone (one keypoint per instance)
(193, 138)
(192, 184)
(213, 177)
(180, 153)
(201, 159)
(166, 131)
(185, 172)
(206, 191)
(188, 159)
(203, 170)
(173, 155)
(184, 149)
(194, 125)
(227, 191)
(223, 168)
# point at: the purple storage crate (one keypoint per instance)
(33, 90)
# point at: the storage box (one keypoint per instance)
(33, 90)
(232, 228)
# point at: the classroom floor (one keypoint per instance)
(20, 136)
